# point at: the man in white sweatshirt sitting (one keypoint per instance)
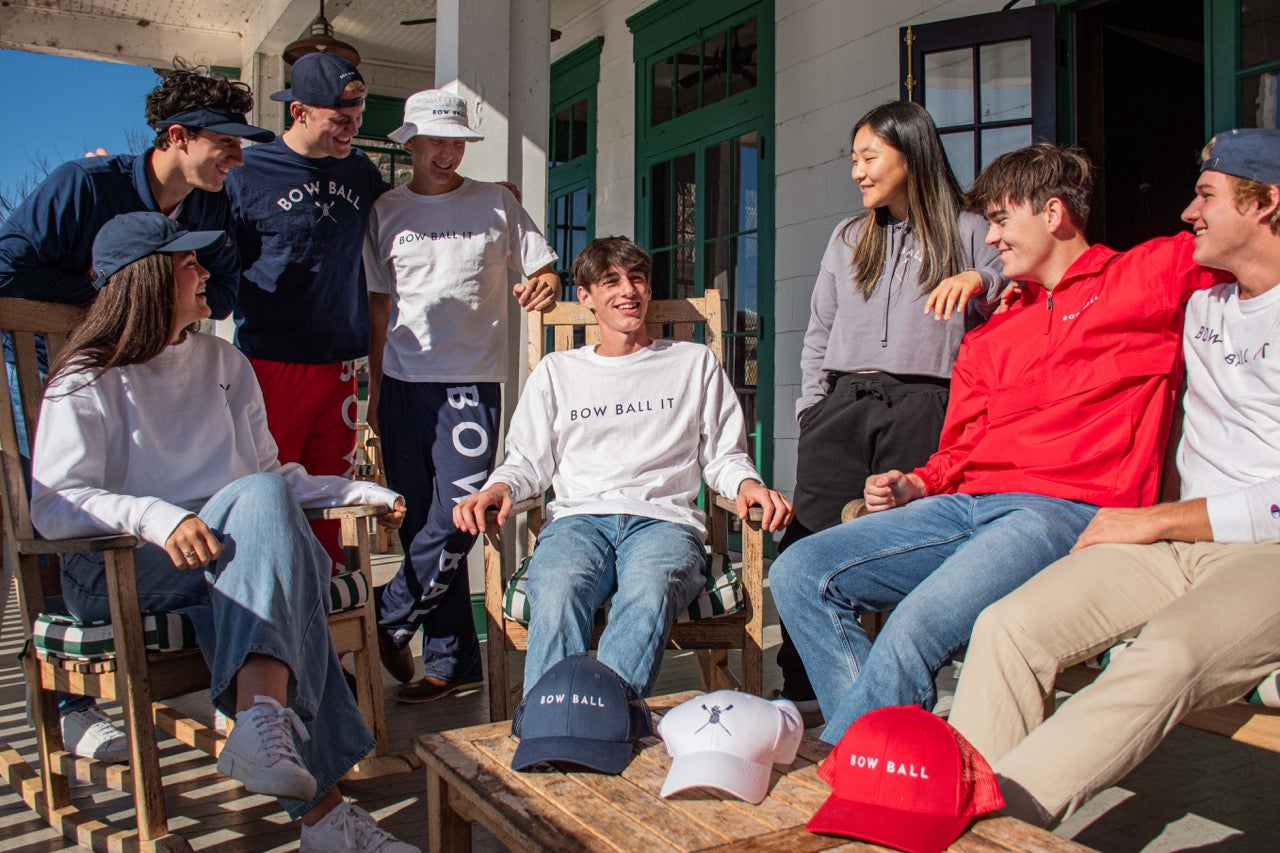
(623, 431)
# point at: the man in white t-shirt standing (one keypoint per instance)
(624, 432)
(1198, 581)
(436, 257)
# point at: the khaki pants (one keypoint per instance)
(1207, 620)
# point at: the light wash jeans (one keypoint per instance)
(268, 593)
(653, 569)
(938, 562)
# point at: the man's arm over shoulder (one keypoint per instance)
(1167, 262)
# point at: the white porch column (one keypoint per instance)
(496, 54)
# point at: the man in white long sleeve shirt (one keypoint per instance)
(1197, 580)
(624, 432)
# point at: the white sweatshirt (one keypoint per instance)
(627, 435)
(142, 447)
(1230, 449)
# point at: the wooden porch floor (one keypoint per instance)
(1198, 791)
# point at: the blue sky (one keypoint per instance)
(65, 107)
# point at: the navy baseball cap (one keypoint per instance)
(580, 713)
(318, 80)
(1252, 153)
(131, 237)
(219, 120)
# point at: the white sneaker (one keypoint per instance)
(91, 734)
(347, 828)
(260, 753)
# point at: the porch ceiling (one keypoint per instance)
(213, 32)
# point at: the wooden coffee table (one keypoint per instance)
(469, 779)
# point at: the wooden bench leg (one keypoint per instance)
(446, 829)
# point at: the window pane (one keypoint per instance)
(1259, 33)
(717, 265)
(1005, 70)
(687, 76)
(560, 227)
(714, 79)
(742, 57)
(959, 148)
(660, 274)
(660, 205)
(748, 179)
(578, 221)
(720, 195)
(560, 137)
(682, 282)
(746, 263)
(578, 142)
(1258, 100)
(1001, 139)
(948, 86)
(663, 77)
(686, 191)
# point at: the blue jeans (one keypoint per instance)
(938, 561)
(652, 569)
(266, 594)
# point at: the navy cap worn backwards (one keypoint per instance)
(132, 236)
(218, 120)
(1252, 153)
(318, 80)
(580, 713)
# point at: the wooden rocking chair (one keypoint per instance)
(710, 634)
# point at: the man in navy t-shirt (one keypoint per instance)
(300, 205)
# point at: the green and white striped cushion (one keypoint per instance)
(58, 635)
(721, 594)
(1267, 693)
(348, 591)
(61, 636)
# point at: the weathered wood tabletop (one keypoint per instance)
(469, 779)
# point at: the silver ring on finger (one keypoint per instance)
(188, 554)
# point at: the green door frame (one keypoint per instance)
(659, 31)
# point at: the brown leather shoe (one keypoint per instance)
(430, 688)
(398, 662)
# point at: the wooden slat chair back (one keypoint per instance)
(133, 676)
(680, 319)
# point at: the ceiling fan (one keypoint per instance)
(413, 22)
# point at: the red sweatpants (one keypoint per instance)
(311, 410)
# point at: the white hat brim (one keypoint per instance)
(747, 780)
(409, 130)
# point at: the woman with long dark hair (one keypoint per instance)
(888, 313)
(152, 429)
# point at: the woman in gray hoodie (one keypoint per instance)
(882, 333)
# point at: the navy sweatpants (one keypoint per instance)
(438, 446)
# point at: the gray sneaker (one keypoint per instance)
(261, 755)
(91, 734)
(347, 828)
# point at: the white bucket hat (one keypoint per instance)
(435, 113)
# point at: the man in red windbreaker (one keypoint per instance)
(1058, 407)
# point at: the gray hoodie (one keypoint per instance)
(888, 331)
